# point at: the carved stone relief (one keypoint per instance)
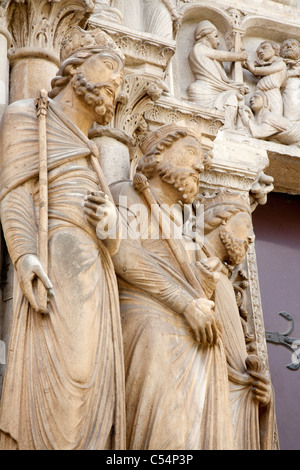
(197, 287)
(212, 87)
(161, 17)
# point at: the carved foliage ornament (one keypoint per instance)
(42, 23)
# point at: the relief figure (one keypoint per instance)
(264, 124)
(271, 71)
(212, 87)
(290, 52)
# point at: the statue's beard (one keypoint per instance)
(185, 181)
(292, 54)
(236, 248)
(92, 96)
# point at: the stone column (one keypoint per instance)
(5, 40)
(115, 149)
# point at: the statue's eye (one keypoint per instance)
(109, 64)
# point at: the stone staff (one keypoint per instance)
(42, 106)
(141, 184)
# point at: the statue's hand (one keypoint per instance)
(200, 316)
(29, 269)
(101, 214)
(261, 388)
(243, 56)
(248, 66)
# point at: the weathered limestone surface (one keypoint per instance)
(204, 112)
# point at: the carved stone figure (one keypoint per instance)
(63, 387)
(290, 52)
(160, 16)
(228, 232)
(264, 124)
(271, 70)
(177, 394)
(212, 87)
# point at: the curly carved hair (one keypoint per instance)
(66, 71)
(148, 163)
(215, 216)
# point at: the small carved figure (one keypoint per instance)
(260, 189)
(212, 87)
(177, 393)
(228, 232)
(63, 387)
(290, 52)
(271, 70)
(264, 124)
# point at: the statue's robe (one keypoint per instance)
(270, 83)
(158, 18)
(270, 126)
(212, 87)
(254, 426)
(291, 94)
(64, 382)
(177, 394)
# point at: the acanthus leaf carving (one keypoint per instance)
(42, 24)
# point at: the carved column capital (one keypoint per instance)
(41, 24)
(37, 28)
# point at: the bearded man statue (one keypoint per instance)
(228, 232)
(63, 387)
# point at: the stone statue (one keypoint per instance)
(264, 124)
(63, 387)
(290, 52)
(228, 232)
(177, 394)
(271, 70)
(160, 15)
(212, 87)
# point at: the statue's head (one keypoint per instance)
(206, 29)
(174, 152)
(228, 213)
(267, 50)
(290, 49)
(93, 65)
(258, 101)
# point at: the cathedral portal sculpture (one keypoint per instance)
(59, 392)
(212, 87)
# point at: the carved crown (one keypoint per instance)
(81, 40)
(224, 197)
(156, 136)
